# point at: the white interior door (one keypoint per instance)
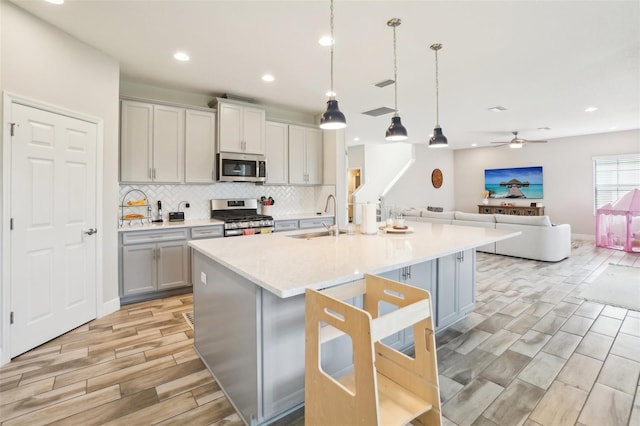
(53, 209)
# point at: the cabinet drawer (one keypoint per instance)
(315, 223)
(286, 225)
(207, 232)
(140, 237)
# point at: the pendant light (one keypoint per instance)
(332, 119)
(396, 131)
(438, 140)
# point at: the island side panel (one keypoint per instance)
(226, 313)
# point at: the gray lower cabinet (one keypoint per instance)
(154, 263)
(456, 287)
(253, 342)
(286, 225)
(421, 275)
(315, 222)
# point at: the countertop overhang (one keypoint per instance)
(288, 266)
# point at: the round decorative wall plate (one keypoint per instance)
(436, 178)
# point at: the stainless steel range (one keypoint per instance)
(241, 217)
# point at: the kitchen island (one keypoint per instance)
(249, 300)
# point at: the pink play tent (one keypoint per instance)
(618, 223)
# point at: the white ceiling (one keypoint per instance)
(546, 61)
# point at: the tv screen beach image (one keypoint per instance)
(515, 182)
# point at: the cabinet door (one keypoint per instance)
(297, 159)
(277, 152)
(447, 293)
(230, 127)
(253, 130)
(199, 147)
(138, 269)
(466, 281)
(316, 223)
(168, 144)
(314, 156)
(285, 225)
(173, 264)
(136, 141)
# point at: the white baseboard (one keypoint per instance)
(109, 307)
(584, 237)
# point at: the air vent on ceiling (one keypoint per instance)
(384, 83)
(379, 111)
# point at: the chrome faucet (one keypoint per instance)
(332, 230)
(326, 206)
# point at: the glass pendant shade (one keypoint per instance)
(438, 140)
(396, 131)
(333, 119)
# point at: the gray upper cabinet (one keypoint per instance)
(277, 153)
(241, 128)
(151, 143)
(305, 156)
(200, 148)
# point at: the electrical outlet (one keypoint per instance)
(203, 278)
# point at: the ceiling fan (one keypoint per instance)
(517, 142)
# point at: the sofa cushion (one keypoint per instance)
(410, 211)
(437, 215)
(477, 217)
(523, 220)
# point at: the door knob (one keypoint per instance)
(90, 231)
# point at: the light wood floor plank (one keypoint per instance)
(41, 401)
(98, 369)
(129, 373)
(27, 391)
(183, 384)
(130, 385)
(67, 408)
(150, 344)
(203, 415)
(158, 412)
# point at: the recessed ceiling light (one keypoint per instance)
(544, 128)
(474, 144)
(497, 109)
(55, 1)
(181, 56)
(356, 139)
(326, 41)
(268, 78)
(591, 109)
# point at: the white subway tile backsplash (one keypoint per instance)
(288, 199)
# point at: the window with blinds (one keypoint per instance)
(614, 176)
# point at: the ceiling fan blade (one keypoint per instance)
(500, 142)
(528, 141)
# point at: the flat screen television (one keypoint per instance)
(514, 182)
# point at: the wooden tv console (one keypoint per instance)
(514, 210)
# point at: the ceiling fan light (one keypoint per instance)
(333, 118)
(515, 145)
(396, 131)
(438, 140)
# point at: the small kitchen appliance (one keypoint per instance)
(241, 217)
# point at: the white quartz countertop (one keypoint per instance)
(287, 266)
(136, 225)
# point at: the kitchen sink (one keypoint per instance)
(310, 235)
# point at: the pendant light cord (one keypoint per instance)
(437, 94)
(333, 96)
(395, 73)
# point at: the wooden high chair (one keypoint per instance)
(386, 387)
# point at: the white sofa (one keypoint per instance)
(539, 239)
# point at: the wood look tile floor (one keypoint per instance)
(532, 353)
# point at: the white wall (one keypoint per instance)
(567, 173)
(379, 165)
(414, 188)
(45, 64)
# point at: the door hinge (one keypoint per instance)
(11, 224)
(11, 318)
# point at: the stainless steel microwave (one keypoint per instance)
(234, 167)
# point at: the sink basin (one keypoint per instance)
(315, 234)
